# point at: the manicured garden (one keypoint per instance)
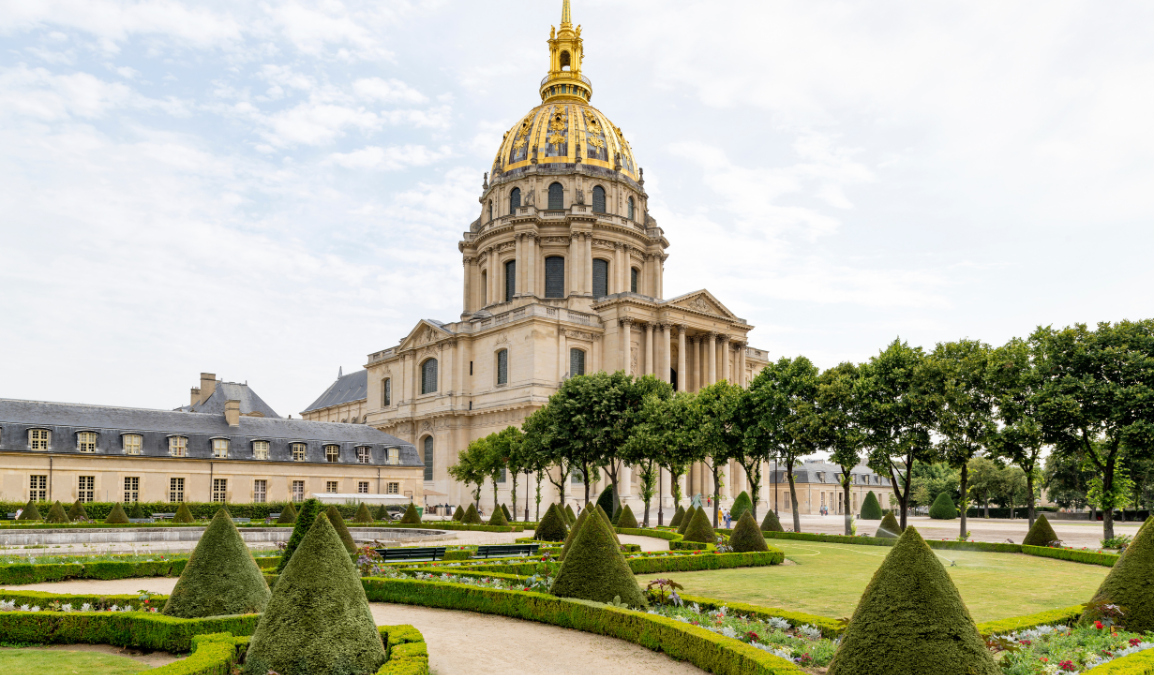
(33, 660)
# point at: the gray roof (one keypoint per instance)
(347, 388)
(808, 471)
(232, 391)
(65, 420)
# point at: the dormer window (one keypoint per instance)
(332, 454)
(220, 448)
(38, 439)
(299, 452)
(364, 455)
(133, 443)
(178, 446)
(260, 449)
(86, 441)
(394, 455)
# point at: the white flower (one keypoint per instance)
(126, 608)
(86, 607)
(35, 608)
(778, 623)
(810, 632)
(114, 608)
(7, 606)
(66, 608)
(24, 608)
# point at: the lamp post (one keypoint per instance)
(660, 500)
(527, 472)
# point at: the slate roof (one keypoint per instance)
(232, 391)
(808, 472)
(347, 388)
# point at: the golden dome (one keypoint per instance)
(565, 132)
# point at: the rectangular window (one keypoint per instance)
(260, 449)
(332, 453)
(503, 366)
(429, 376)
(428, 457)
(387, 392)
(176, 490)
(633, 280)
(219, 489)
(331, 486)
(133, 444)
(364, 455)
(393, 489)
(299, 452)
(504, 475)
(260, 491)
(554, 277)
(38, 489)
(86, 491)
(86, 441)
(576, 362)
(510, 280)
(38, 439)
(600, 278)
(220, 448)
(298, 491)
(363, 487)
(178, 446)
(131, 489)
(394, 455)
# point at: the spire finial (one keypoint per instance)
(565, 13)
(340, 372)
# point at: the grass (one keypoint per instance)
(829, 579)
(43, 662)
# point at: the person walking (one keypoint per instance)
(728, 519)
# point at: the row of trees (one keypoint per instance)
(1084, 394)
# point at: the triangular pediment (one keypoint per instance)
(701, 301)
(425, 333)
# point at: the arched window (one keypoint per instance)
(630, 208)
(503, 366)
(633, 280)
(429, 376)
(554, 277)
(510, 279)
(565, 62)
(428, 452)
(576, 362)
(514, 200)
(556, 197)
(387, 392)
(485, 287)
(600, 278)
(598, 199)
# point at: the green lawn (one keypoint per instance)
(828, 579)
(33, 661)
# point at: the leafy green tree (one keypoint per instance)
(547, 450)
(507, 457)
(840, 430)
(714, 414)
(663, 437)
(470, 468)
(1066, 480)
(1095, 399)
(932, 479)
(984, 477)
(1011, 488)
(1014, 379)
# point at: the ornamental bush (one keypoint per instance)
(678, 517)
(56, 514)
(889, 527)
(770, 523)
(288, 515)
(699, 529)
(117, 516)
(471, 516)
(740, 505)
(871, 509)
(310, 509)
(411, 515)
(318, 620)
(1131, 583)
(508, 516)
(136, 511)
(569, 515)
(30, 512)
(552, 527)
(911, 620)
(684, 525)
(221, 576)
(573, 533)
(1041, 534)
(363, 514)
(594, 568)
(338, 524)
(746, 536)
(626, 518)
(609, 502)
(943, 508)
(608, 523)
(382, 513)
(498, 518)
(459, 513)
(77, 511)
(183, 514)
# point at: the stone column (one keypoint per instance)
(712, 362)
(587, 264)
(625, 481)
(493, 275)
(562, 354)
(724, 349)
(467, 305)
(702, 367)
(626, 328)
(741, 374)
(530, 273)
(682, 371)
(573, 272)
(519, 257)
(648, 348)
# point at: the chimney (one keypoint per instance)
(195, 398)
(232, 413)
(207, 385)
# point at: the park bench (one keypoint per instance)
(507, 551)
(430, 553)
(164, 516)
(140, 520)
(10, 516)
(242, 521)
(274, 516)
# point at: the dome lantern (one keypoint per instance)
(565, 81)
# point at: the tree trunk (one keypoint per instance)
(986, 504)
(513, 498)
(965, 498)
(646, 513)
(585, 473)
(793, 498)
(495, 504)
(905, 501)
(715, 470)
(754, 488)
(848, 515)
(1107, 488)
(539, 496)
(1030, 497)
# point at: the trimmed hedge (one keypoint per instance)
(117, 516)
(1041, 534)
(1086, 557)
(450, 525)
(1066, 615)
(145, 630)
(200, 510)
(865, 540)
(1141, 663)
(649, 532)
(871, 509)
(650, 564)
(943, 508)
(408, 653)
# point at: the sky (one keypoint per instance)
(271, 191)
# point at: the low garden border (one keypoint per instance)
(29, 573)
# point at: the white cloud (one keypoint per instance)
(388, 91)
(389, 159)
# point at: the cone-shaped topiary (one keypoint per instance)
(678, 517)
(747, 536)
(498, 518)
(77, 511)
(1130, 584)
(770, 523)
(686, 518)
(871, 509)
(1041, 534)
(288, 515)
(30, 512)
(411, 516)
(508, 516)
(318, 621)
(943, 508)
(459, 513)
(626, 519)
(338, 523)
(609, 502)
(116, 516)
(363, 514)
(605, 517)
(889, 527)
(310, 509)
(594, 568)
(136, 511)
(911, 620)
(573, 533)
(382, 513)
(471, 516)
(221, 576)
(569, 515)
(56, 514)
(552, 526)
(699, 529)
(740, 505)
(183, 514)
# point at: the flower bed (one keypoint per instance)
(1058, 649)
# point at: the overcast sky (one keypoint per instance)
(270, 191)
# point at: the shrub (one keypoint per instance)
(626, 518)
(508, 516)
(305, 517)
(136, 511)
(770, 523)
(552, 527)
(77, 511)
(498, 518)
(1129, 584)
(411, 515)
(56, 514)
(318, 621)
(338, 524)
(471, 516)
(699, 529)
(363, 514)
(684, 525)
(889, 527)
(911, 620)
(740, 505)
(288, 515)
(746, 536)
(382, 513)
(1084, 557)
(870, 508)
(594, 568)
(459, 513)
(117, 516)
(30, 512)
(609, 502)
(569, 515)
(1041, 534)
(573, 533)
(678, 517)
(605, 517)
(221, 576)
(183, 514)
(943, 508)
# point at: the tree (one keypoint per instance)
(984, 477)
(470, 467)
(547, 450)
(714, 413)
(1011, 488)
(898, 414)
(1095, 399)
(507, 456)
(840, 429)
(1066, 480)
(663, 437)
(1018, 438)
